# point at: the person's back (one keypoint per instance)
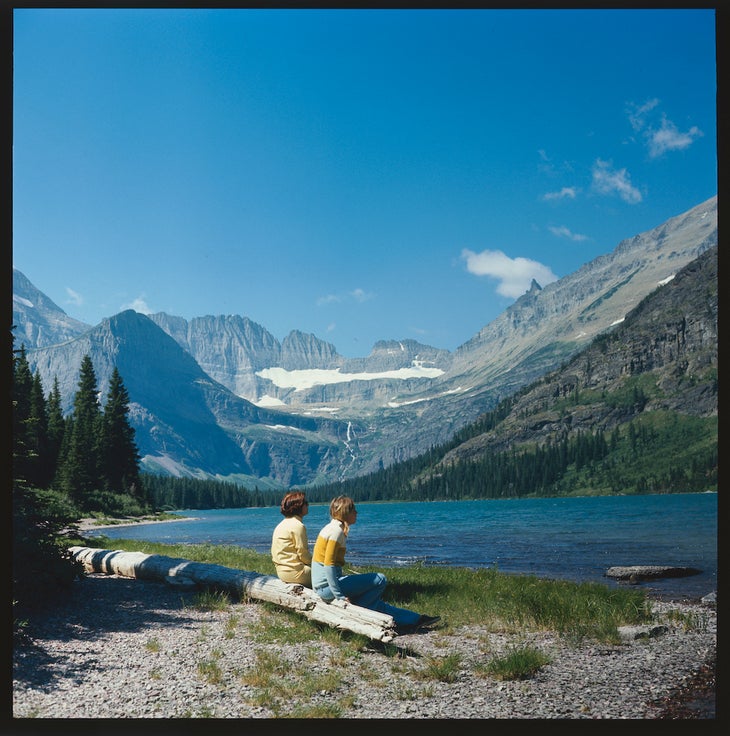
(289, 546)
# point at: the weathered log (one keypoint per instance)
(635, 573)
(241, 583)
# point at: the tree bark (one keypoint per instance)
(240, 583)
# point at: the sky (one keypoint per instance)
(360, 175)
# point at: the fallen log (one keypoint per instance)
(241, 583)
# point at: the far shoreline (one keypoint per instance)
(90, 525)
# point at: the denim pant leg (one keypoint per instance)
(364, 589)
(401, 616)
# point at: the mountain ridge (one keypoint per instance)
(363, 413)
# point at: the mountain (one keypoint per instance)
(667, 348)
(252, 363)
(634, 412)
(296, 412)
(37, 320)
(187, 424)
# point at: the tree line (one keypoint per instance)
(166, 493)
(89, 455)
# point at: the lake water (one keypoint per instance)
(567, 538)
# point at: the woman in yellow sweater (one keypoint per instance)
(289, 547)
(363, 589)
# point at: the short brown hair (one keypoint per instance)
(293, 503)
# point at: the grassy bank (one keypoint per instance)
(462, 597)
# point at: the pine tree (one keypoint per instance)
(39, 472)
(56, 429)
(79, 474)
(21, 393)
(118, 451)
(40, 561)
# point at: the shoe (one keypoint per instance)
(426, 621)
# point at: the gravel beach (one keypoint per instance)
(122, 648)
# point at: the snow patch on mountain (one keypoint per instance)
(301, 380)
(395, 404)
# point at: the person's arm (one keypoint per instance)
(301, 544)
(333, 571)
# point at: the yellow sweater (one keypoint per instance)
(329, 557)
(290, 551)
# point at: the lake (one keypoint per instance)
(574, 539)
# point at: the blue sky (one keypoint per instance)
(362, 175)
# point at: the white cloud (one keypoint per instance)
(359, 295)
(609, 181)
(564, 232)
(661, 136)
(514, 274)
(564, 193)
(669, 138)
(139, 305)
(638, 113)
(74, 297)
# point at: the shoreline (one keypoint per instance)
(89, 524)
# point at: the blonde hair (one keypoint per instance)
(341, 507)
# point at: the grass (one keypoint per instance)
(153, 645)
(278, 683)
(496, 601)
(519, 663)
(211, 600)
(443, 669)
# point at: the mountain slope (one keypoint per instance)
(204, 391)
(38, 321)
(666, 349)
(544, 327)
(634, 412)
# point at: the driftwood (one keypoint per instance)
(241, 583)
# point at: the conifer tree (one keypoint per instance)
(39, 472)
(39, 560)
(21, 391)
(56, 428)
(79, 474)
(119, 453)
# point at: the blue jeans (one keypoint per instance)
(366, 589)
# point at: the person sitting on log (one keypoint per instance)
(362, 589)
(289, 546)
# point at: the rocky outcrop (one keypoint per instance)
(637, 573)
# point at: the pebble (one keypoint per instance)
(126, 648)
